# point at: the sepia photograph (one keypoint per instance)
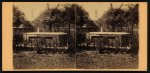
(77, 36)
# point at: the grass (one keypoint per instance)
(31, 60)
(82, 60)
(94, 60)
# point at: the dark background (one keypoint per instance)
(74, 0)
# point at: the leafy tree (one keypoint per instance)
(43, 21)
(75, 14)
(116, 18)
(132, 15)
(133, 21)
(71, 16)
(28, 27)
(18, 17)
(19, 20)
(113, 19)
(48, 19)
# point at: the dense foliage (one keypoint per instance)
(122, 20)
(116, 18)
